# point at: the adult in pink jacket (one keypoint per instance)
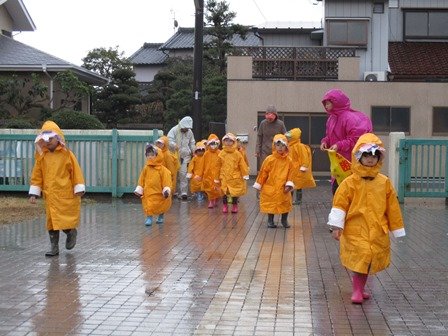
(344, 125)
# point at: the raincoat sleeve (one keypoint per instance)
(263, 174)
(36, 182)
(393, 212)
(77, 176)
(191, 167)
(141, 182)
(192, 142)
(244, 167)
(172, 134)
(341, 203)
(167, 182)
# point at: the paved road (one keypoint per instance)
(205, 273)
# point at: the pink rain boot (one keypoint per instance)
(357, 289)
(234, 208)
(363, 277)
(225, 208)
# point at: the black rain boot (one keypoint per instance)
(284, 220)
(298, 199)
(71, 238)
(54, 241)
(271, 221)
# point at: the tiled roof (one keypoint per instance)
(184, 39)
(16, 56)
(149, 54)
(418, 60)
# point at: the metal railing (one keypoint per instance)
(111, 163)
(423, 168)
(295, 63)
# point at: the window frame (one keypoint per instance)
(347, 21)
(434, 109)
(407, 37)
(390, 108)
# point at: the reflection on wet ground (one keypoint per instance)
(203, 272)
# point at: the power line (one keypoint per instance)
(256, 5)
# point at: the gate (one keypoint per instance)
(423, 168)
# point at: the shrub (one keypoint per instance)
(69, 119)
(18, 124)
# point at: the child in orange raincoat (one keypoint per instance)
(196, 166)
(210, 171)
(233, 173)
(302, 159)
(57, 175)
(275, 182)
(365, 208)
(154, 186)
(170, 159)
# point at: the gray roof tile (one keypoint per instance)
(184, 39)
(149, 54)
(16, 56)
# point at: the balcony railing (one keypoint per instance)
(295, 63)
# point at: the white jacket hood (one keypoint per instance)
(186, 122)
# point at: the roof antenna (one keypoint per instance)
(175, 23)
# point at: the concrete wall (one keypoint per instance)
(247, 97)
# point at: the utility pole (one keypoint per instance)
(197, 74)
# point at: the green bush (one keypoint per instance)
(18, 124)
(69, 119)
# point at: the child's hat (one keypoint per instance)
(150, 148)
(374, 149)
(230, 136)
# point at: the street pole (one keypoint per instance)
(197, 74)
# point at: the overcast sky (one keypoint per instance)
(69, 29)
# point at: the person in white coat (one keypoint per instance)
(182, 138)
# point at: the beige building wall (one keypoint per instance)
(247, 97)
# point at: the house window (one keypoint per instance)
(425, 24)
(386, 119)
(440, 121)
(378, 7)
(347, 32)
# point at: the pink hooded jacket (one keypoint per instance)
(344, 125)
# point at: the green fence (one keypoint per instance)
(423, 168)
(110, 160)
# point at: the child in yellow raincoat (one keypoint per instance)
(196, 166)
(241, 145)
(365, 208)
(58, 177)
(170, 159)
(210, 171)
(233, 173)
(274, 181)
(302, 159)
(154, 186)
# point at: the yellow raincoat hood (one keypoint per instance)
(293, 136)
(283, 139)
(357, 167)
(49, 129)
(231, 148)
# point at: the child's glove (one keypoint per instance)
(32, 199)
(166, 194)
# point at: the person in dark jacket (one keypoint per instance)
(266, 131)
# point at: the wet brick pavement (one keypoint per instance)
(206, 273)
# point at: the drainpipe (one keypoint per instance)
(257, 34)
(44, 69)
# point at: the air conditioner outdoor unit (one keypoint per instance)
(375, 76)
